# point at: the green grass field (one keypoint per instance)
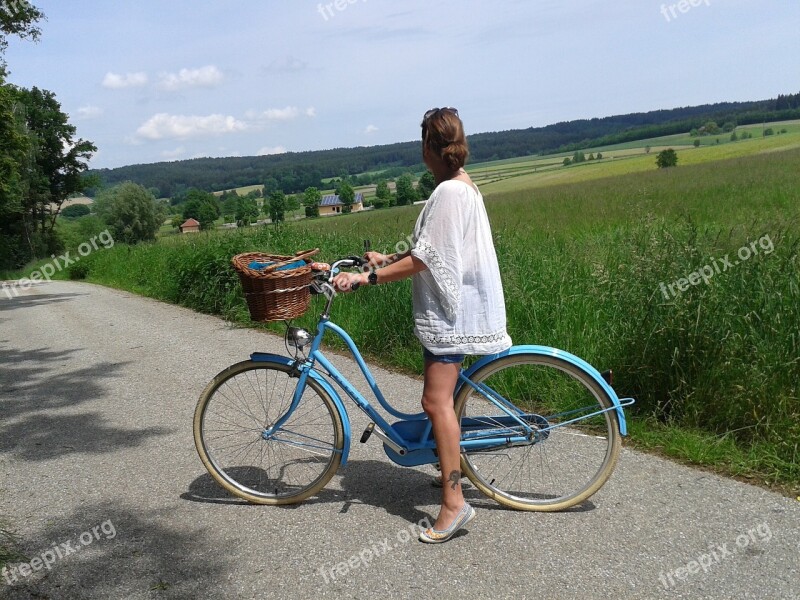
(715, 367)
(592, 257)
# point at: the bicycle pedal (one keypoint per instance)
(367, 433)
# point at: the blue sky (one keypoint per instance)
(149, 81)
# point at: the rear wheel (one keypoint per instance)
(560, 466)
(236, 439)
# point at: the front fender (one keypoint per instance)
(567, 357)
(285, 360)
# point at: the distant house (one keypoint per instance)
(190, 226)
(331, 205)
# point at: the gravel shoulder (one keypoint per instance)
(97, 392)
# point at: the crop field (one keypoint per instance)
(508, 175)
(504, 176)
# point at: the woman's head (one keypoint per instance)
(443, 137)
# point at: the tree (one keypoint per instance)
(230, 201)
(697, 143)
(270, 185)
(277, 206)
(346, 196)
(667, 158)
(41, 165)
(207, 215)
(130, 211)
(599, 155)
(311, 199)
(293, 202)
(578, 157)
(202, 206)
(734, 137)
(647, 149)
(769, 131)
(20, 19)
(567, 161)
(76, 211)
(246, 211)
(406, 194)
(383, 195)
(177, 221)
(426, 185)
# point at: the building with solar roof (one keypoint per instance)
(331, 205)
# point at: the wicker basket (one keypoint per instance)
(274, 295)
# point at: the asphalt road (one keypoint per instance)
(101, 480)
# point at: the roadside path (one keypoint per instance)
(97, 392)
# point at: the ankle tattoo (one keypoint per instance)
(455, 477)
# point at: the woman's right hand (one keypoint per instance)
(377, 260)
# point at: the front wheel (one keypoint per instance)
(247, 453)
(560, 465)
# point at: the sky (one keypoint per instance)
(150, 81)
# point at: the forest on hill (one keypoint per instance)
(293, 172)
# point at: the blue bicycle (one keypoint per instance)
(541, 428)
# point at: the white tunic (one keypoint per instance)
(458, 301)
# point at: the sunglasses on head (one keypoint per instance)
(435, 111)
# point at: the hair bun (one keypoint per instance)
(443, 133)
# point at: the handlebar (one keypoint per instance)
(349, 262)
(322, 278)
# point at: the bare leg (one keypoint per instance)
(437, 402)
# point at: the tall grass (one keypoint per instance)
(582, 266)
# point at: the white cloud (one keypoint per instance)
(208, 76)
(266, 150)
(115, 81)
(370, 129)
(89, 112)
(288, 113)
(281, 114)
(166, 126)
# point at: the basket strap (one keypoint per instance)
(302, 255)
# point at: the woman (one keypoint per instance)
(457, 295)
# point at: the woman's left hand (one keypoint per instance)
(343, 282)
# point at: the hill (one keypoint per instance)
(294, 171)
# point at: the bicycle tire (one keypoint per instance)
(542, 387)
(234, 411)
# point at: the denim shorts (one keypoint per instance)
(449, 359)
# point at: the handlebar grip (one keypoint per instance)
(357, 260)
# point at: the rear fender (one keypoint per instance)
(567, 357)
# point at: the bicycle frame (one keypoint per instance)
(416, 446)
